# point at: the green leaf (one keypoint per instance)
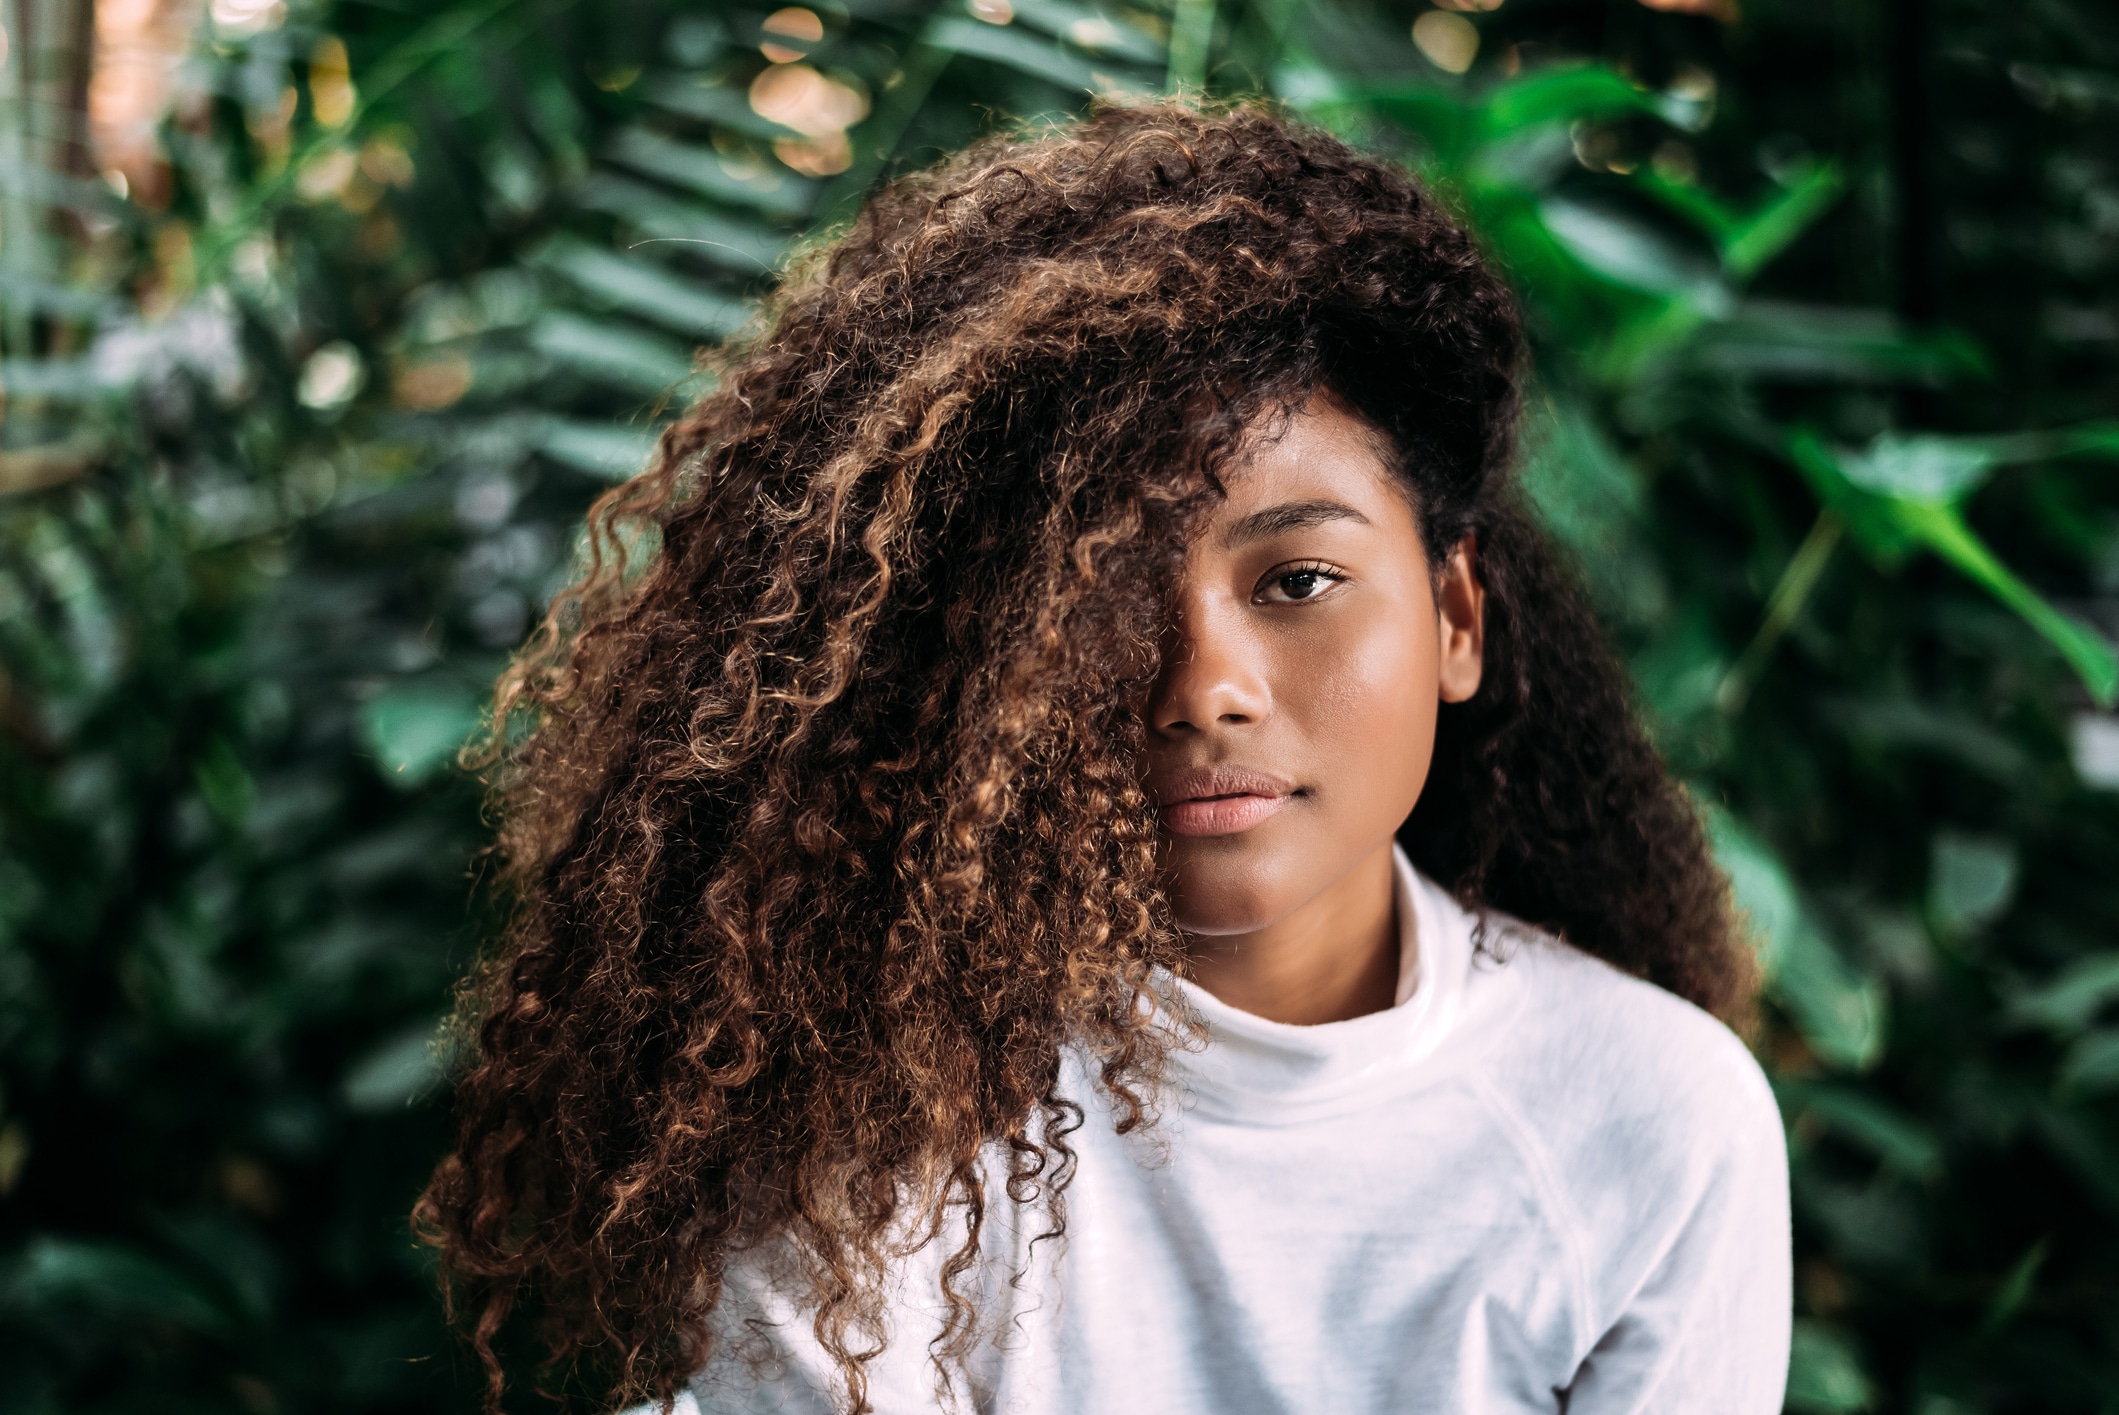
(1577, 479)
(1562, 95)
(42, 184)
(605, 450)
(1971, 879)
(66, 379)
(1093, 30)
(1785, 341)
(29, 295)
(1191, 36)
(2084, 1144)
(2015, 1289)
(743, 246)
(397, 1073)
(1839, 1011)
(1586, 495)
(224, 784)
(622, 355)
(246, 1271)
(1635, 255)
(1900, 1141)
(1749, 244)
(705, 99)
(1929, 467)
(1908, 723)
(1686, 289)
(55, 1277)
(2092, 1063)
(1506, 171)
(638, 285)
(415, 730)
(2071, 1000)
(1924, 468)
(1018, 49)
(1888, 525)
(1944, 531)
(1868, 516)
(1825, 1376)
(2093, 439)
(774, 191)
(1712, 216)
(1748, 241)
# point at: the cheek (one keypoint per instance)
(1367, 701)
(1353, 719)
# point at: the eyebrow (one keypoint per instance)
(1289, 516)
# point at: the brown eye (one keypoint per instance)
(1297, 584)
(1302, 584)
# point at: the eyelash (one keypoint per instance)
(1279, 573)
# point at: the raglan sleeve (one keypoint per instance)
(766, 1358)
(1694, 1311)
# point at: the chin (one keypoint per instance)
(1217, 891)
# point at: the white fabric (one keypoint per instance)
(1537, 1184)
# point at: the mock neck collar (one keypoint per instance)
(1250, 1064)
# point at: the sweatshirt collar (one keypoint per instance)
(1252, 1064)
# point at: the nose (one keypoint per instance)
(1212, 675)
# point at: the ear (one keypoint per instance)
(1460, 605)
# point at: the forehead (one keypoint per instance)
(1320, 453)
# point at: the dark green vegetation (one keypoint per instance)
(293, 450)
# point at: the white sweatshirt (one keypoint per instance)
(1535, 1184)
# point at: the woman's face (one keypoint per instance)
(1291, 727)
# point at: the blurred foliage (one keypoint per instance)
(297, 438)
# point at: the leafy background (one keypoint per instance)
(322, 321)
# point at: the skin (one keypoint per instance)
(1292, 727)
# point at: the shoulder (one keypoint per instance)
(1661, 1149)
(1649, 1128)
(1611, 1072)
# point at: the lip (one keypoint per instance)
(1220, 800)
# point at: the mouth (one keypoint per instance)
(1221, 800)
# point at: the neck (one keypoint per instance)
(1335, 958)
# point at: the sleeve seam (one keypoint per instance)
(1560, 1211)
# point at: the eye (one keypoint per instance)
(1296, 584)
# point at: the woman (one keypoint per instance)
(1100, 865)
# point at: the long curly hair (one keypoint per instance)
(822, 820)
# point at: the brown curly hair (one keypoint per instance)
(826, 833)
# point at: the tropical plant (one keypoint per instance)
(299, 430)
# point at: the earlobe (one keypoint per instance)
(1460, 604)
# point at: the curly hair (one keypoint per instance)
(826, 832)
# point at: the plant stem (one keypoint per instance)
(1790, 594)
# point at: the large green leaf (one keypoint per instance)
(1019, 50)
(55, 1279)
(778, 194)
(1771, 339)
(639, 285)
(1902, 1142)
(746, 247)
(2070, 1001)
(1903, 494)
(1840, 1011)
(1113, 35)
(622, 355)
(1825, 1376)
(603, 450)
(416, 730)
(398, 1072)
